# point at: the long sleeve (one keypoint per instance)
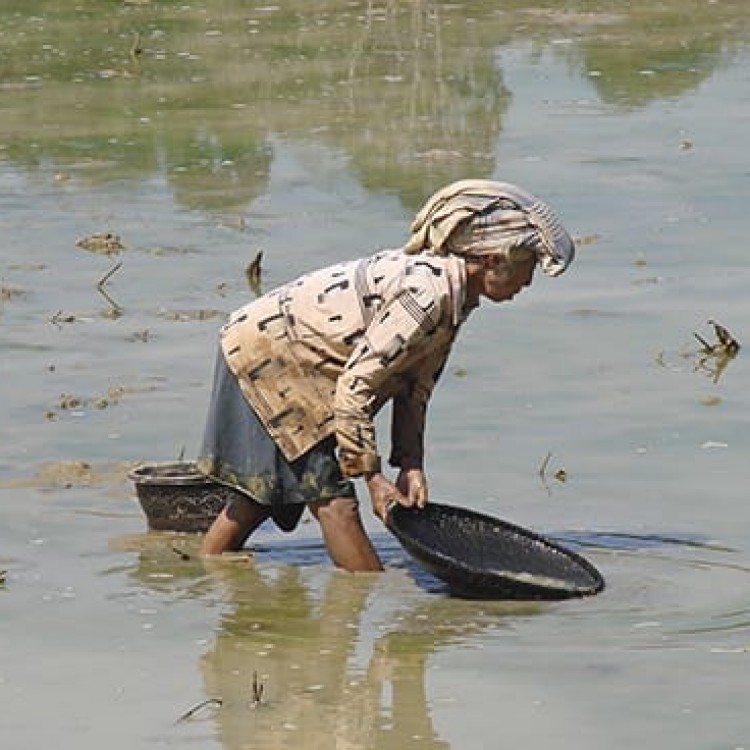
(320, 355)
(388, 361)
(408, 420)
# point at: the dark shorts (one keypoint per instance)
(238, 451)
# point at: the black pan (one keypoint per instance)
(483, 557)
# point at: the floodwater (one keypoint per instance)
(199, 134)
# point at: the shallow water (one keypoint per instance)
(201, 135)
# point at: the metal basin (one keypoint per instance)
(177, 497)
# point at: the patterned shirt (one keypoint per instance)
(321, 355)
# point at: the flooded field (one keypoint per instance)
(150, 150)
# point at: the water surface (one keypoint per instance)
(202, 134)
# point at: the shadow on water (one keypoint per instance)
(621, 540)
(312, 552)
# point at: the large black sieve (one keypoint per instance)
(481, 556)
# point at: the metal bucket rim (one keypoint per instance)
(168, 473)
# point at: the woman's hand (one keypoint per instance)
(383, 494)
(412, 483)
(410, 490)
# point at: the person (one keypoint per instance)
(303, 370)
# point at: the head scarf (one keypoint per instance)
(478, 217)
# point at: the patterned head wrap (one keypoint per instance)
(478, 217)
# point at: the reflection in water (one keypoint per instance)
(328, 682)
(301, 649)
(660, 50)
(411, 93)
(423, 101)
(341, 658)
(212, 171)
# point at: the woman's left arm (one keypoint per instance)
(408, 424)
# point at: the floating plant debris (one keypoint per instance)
(725, 344)
(184, 316)
(253, 274)
(714, 357)
(102, 243)
(257, 689)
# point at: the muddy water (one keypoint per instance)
(197, 136)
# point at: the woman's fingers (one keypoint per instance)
(418, 488)
(420, 495)
(384, 499)
(410, 490)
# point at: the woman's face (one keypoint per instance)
(502, 281)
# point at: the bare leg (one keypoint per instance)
(344, 535)
(233, 526)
